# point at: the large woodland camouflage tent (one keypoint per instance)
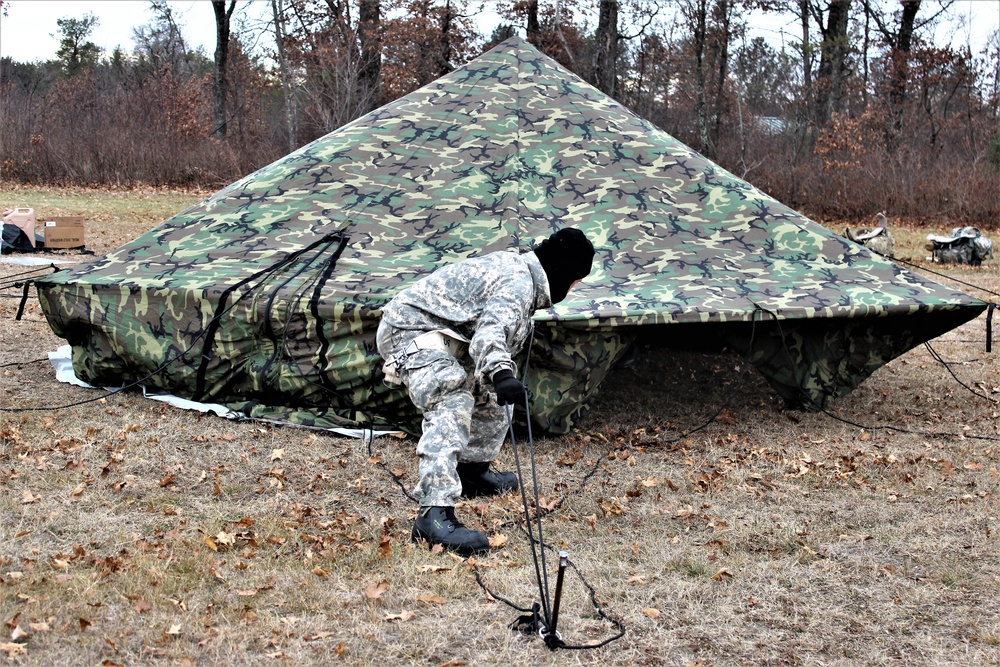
(265, 296)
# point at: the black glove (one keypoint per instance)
(509, 389)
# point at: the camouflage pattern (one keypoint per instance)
(461, 418)
(488, 300)
(266, 296)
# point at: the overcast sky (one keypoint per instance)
(28, 32)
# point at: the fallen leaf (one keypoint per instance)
(277, 454)
(174, 629)
(207, 541)
(498, 540)
(142, 606)
(246, 592)
(320, 572)
(374, 591)
(78, 490)
(430, 598)
(385, 549)
(718, 576)
(12, 649)
(228, 539)
(401, 616)
(318, 636)
(651, 612)
(18, 634)
(637, 580)
(434, 568)
(84, 624)
(27, 498)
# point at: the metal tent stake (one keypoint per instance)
(552, 638)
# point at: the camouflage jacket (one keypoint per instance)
(488, 299)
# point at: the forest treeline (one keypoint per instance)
(860, 110)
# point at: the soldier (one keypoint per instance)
(450, 339)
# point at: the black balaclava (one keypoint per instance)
(566, 257)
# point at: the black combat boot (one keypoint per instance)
(438, 525)
(478, 480)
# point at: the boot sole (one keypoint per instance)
(416, 536)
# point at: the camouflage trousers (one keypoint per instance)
(461, 422)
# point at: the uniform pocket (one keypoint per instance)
(432, 374)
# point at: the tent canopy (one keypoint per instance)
(266, 295)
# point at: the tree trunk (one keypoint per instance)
(533, 28)
(443, 65)
(807, 83)
(606, 48)
(219, 83)
(833, 60)
(369, 15)
(287, 94)
(700, 27)
(725, 13)
(901, 66)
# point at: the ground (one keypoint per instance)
(134, 533)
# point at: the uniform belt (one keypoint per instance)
(444, 340)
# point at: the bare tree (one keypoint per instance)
(533, 29)
(605, 56)
(696, 14)
(161, 42)
(899, 38)
(223, 15)
(369, 37)
(832, 21)
(287, 92)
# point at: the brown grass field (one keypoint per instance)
(132, 533)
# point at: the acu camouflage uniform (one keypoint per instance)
(490, 301)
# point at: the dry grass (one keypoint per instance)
(132, 533)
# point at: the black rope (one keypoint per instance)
(12, 278)
(541, 577)
(895, 429)
(939, 274)
(898, 429)
(264, 277)
(382, 464)
(23, 363)
(538, 618)
(948, 364)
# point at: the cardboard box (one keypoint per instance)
(63, 232)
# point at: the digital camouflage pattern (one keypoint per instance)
(488, 300)
(266, 296)
(461, 420)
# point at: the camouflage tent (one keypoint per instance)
(266, 296)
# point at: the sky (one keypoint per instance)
(28, 32)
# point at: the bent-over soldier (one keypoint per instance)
(450, 338)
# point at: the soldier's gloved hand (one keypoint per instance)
(509, 389)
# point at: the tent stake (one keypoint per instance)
(552, 637)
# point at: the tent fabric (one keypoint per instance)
(266, 295)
